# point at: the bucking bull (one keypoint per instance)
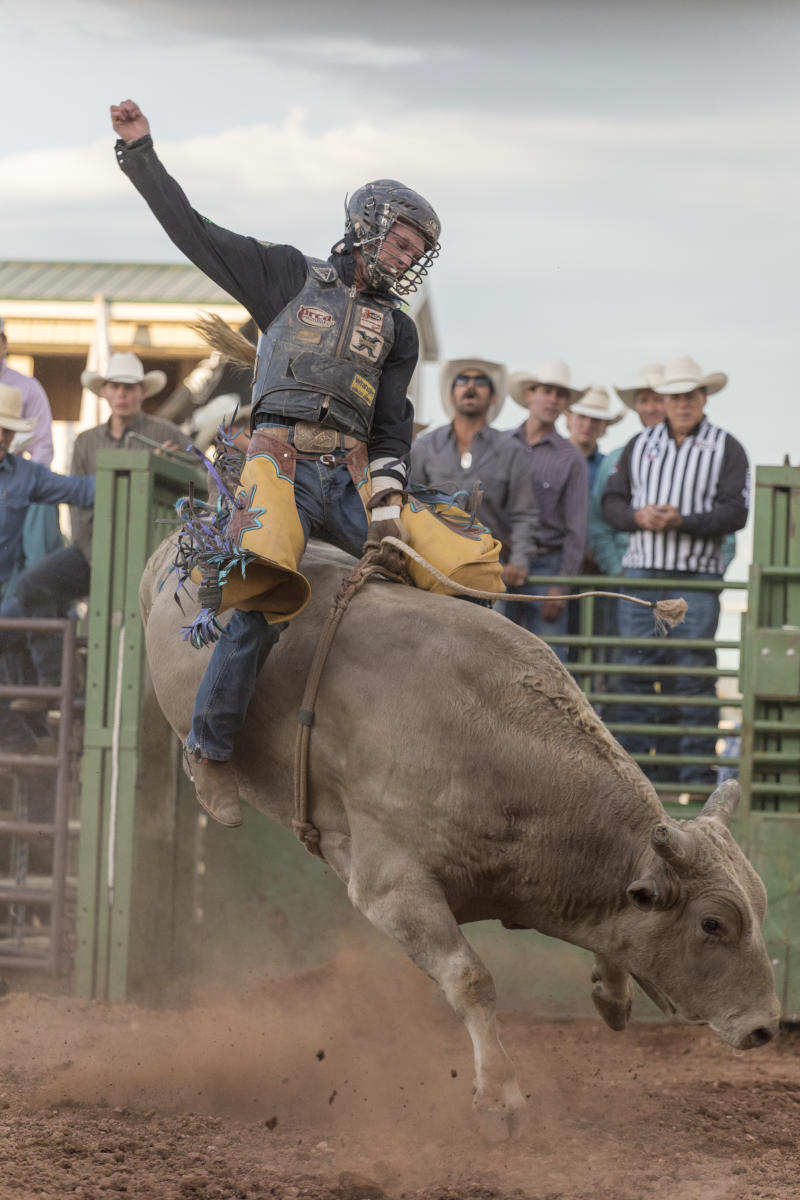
(456, 774)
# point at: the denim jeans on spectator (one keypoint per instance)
(47, 590)
(44, 590)
(330, 509)
(702, 618)
(530, 615)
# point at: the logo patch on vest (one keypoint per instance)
(371, 318)
(362, 388)
(368, 344)
(325, 274)
(317, 318)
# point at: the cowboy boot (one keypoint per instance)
(216, 788)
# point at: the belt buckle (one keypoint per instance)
(309, 438)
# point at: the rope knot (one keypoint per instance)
(309, 835)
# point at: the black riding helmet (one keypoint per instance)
(370, 213)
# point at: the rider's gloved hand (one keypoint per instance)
(385, 513)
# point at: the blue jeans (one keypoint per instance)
(529, 616)
(701, 621)
(46, 589)
(330, 509)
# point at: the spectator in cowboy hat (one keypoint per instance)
(560, 483)
(679, 488)
(23, 482)
(609, 545)
(587, 421)
(51, 586)
(125, 385)
(41, 532)
(469, 451)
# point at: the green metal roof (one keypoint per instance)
(167, 283)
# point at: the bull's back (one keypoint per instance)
(414, 692)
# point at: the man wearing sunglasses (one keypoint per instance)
(470, 451)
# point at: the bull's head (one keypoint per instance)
(698, 950)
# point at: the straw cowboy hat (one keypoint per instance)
(11, 410)
(495, 371)
(596, 402)
(553, 372)
(648, 378)
(684, 375)
(124, 368)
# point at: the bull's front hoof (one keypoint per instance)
(614, 1009)
(502, 1120)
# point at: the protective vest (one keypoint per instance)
(321, 358)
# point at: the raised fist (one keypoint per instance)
(129, 121)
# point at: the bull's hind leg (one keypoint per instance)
(411, 908)
(612, 992)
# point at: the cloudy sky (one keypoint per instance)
(617, 182)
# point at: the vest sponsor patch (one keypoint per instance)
(362, 388)
(317, 318)
(368, 344)
(310, 337)
(325, 274)
(371, 318)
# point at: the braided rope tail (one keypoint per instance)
(666, 613)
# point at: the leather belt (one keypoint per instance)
(309, 437)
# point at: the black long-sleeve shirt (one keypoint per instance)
(707, 478)
(264, 278)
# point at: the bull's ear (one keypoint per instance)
(643, 893)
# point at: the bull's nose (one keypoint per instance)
(759, 1037)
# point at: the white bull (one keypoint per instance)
(457, 773)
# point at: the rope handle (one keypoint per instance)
(667, 613)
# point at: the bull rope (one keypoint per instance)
(667, 613)
(302, 828)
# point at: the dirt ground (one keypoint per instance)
(353, 1081)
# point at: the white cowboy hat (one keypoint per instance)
(554, 372)
(124, 368)
(648, 378)
(684, 375)
(596, 402)
(495, 371)
(11, 410)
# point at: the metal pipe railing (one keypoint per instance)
(60, 829)
(590, 670)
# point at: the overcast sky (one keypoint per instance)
(618, 183)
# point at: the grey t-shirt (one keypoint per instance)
(509, 507)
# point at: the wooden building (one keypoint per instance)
(62, 316)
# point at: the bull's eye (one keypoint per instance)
(711, 925)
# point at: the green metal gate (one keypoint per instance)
(770, 766)
(163, 893)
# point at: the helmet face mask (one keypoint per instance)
(371, 212)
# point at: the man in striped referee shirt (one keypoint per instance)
(679, 488)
